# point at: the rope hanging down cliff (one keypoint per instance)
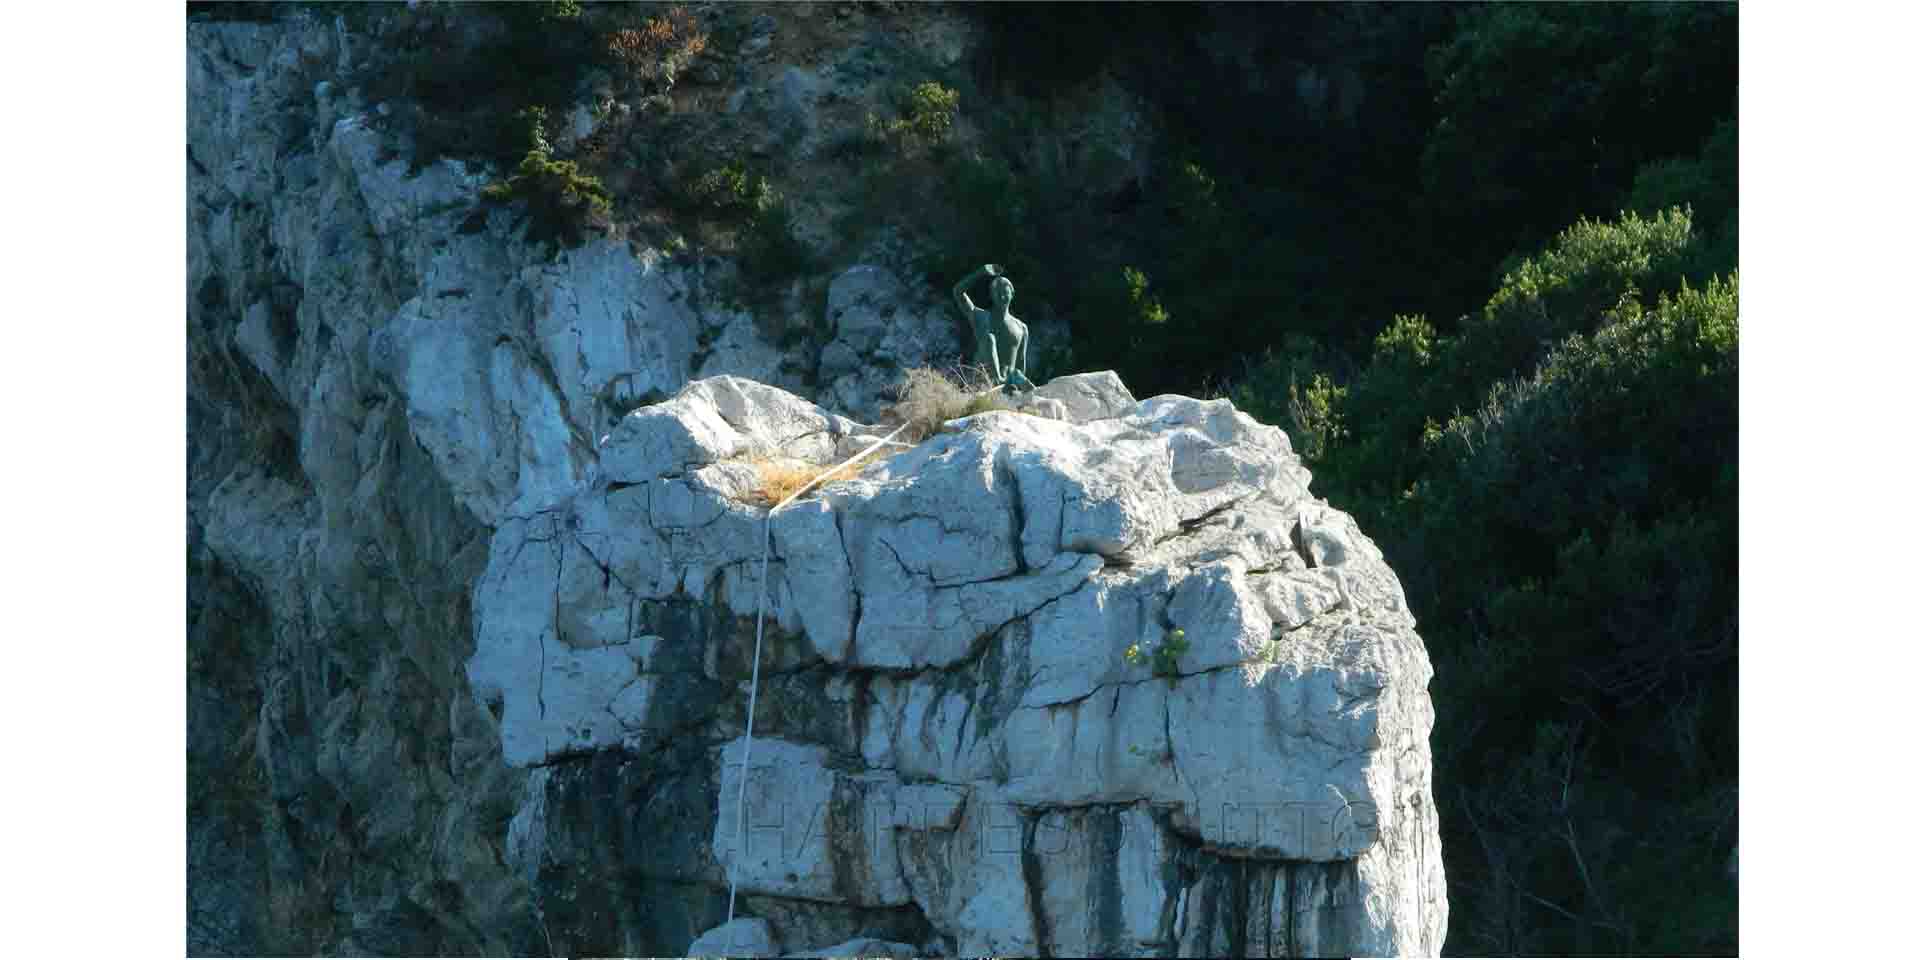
(753, 690)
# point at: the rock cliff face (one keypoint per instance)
(472, 579)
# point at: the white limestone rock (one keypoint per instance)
(811, 832)
(1089, 396)
(739, 349)
(395, 198)
(1103, 881)
(866, 947)
(512, 376)
(880, 328)
(743, 937)
(1010, 591)
(1045, 407)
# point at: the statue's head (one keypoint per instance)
(1002, 291)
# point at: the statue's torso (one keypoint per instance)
(1009, 337)
(983, 320)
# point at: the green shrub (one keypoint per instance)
(1368, 432)
(930, 111)
(925, 121)
(1316, 411)
(1145, 309)
(1708, 185)
(985, 208)
(1265, 389)
(1164, 656)
(561, 202)
(534, 14)
(769, 249)
(1406, 344)
(1417, 380)
(1569, 286)
(771, 254)
(1636, 418)
(1707, 181)
(1557, 486)
(730, 189)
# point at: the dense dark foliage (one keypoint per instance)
(1332, 166)
(1556, 482)
(1572, 551)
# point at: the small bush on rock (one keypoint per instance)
(929, 398)
(771, 253)
(925, 121)
(1165, 655)
(770, 249)
(561, 200)
(654, 53)
(729, 189)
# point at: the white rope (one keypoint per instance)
(753, 694)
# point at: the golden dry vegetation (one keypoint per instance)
(782, 477)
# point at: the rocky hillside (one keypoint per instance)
(466, 598)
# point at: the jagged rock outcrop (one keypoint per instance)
(879, 329)
(952, 726)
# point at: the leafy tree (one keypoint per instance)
(1556, 485)
(1418, 379)
(1546, 112)
(1587, 515)
(1707, 183)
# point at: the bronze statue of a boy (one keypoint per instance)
(996, 332)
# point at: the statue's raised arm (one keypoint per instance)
(960, 298)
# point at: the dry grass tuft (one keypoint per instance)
(781, 477)
(929, 398)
